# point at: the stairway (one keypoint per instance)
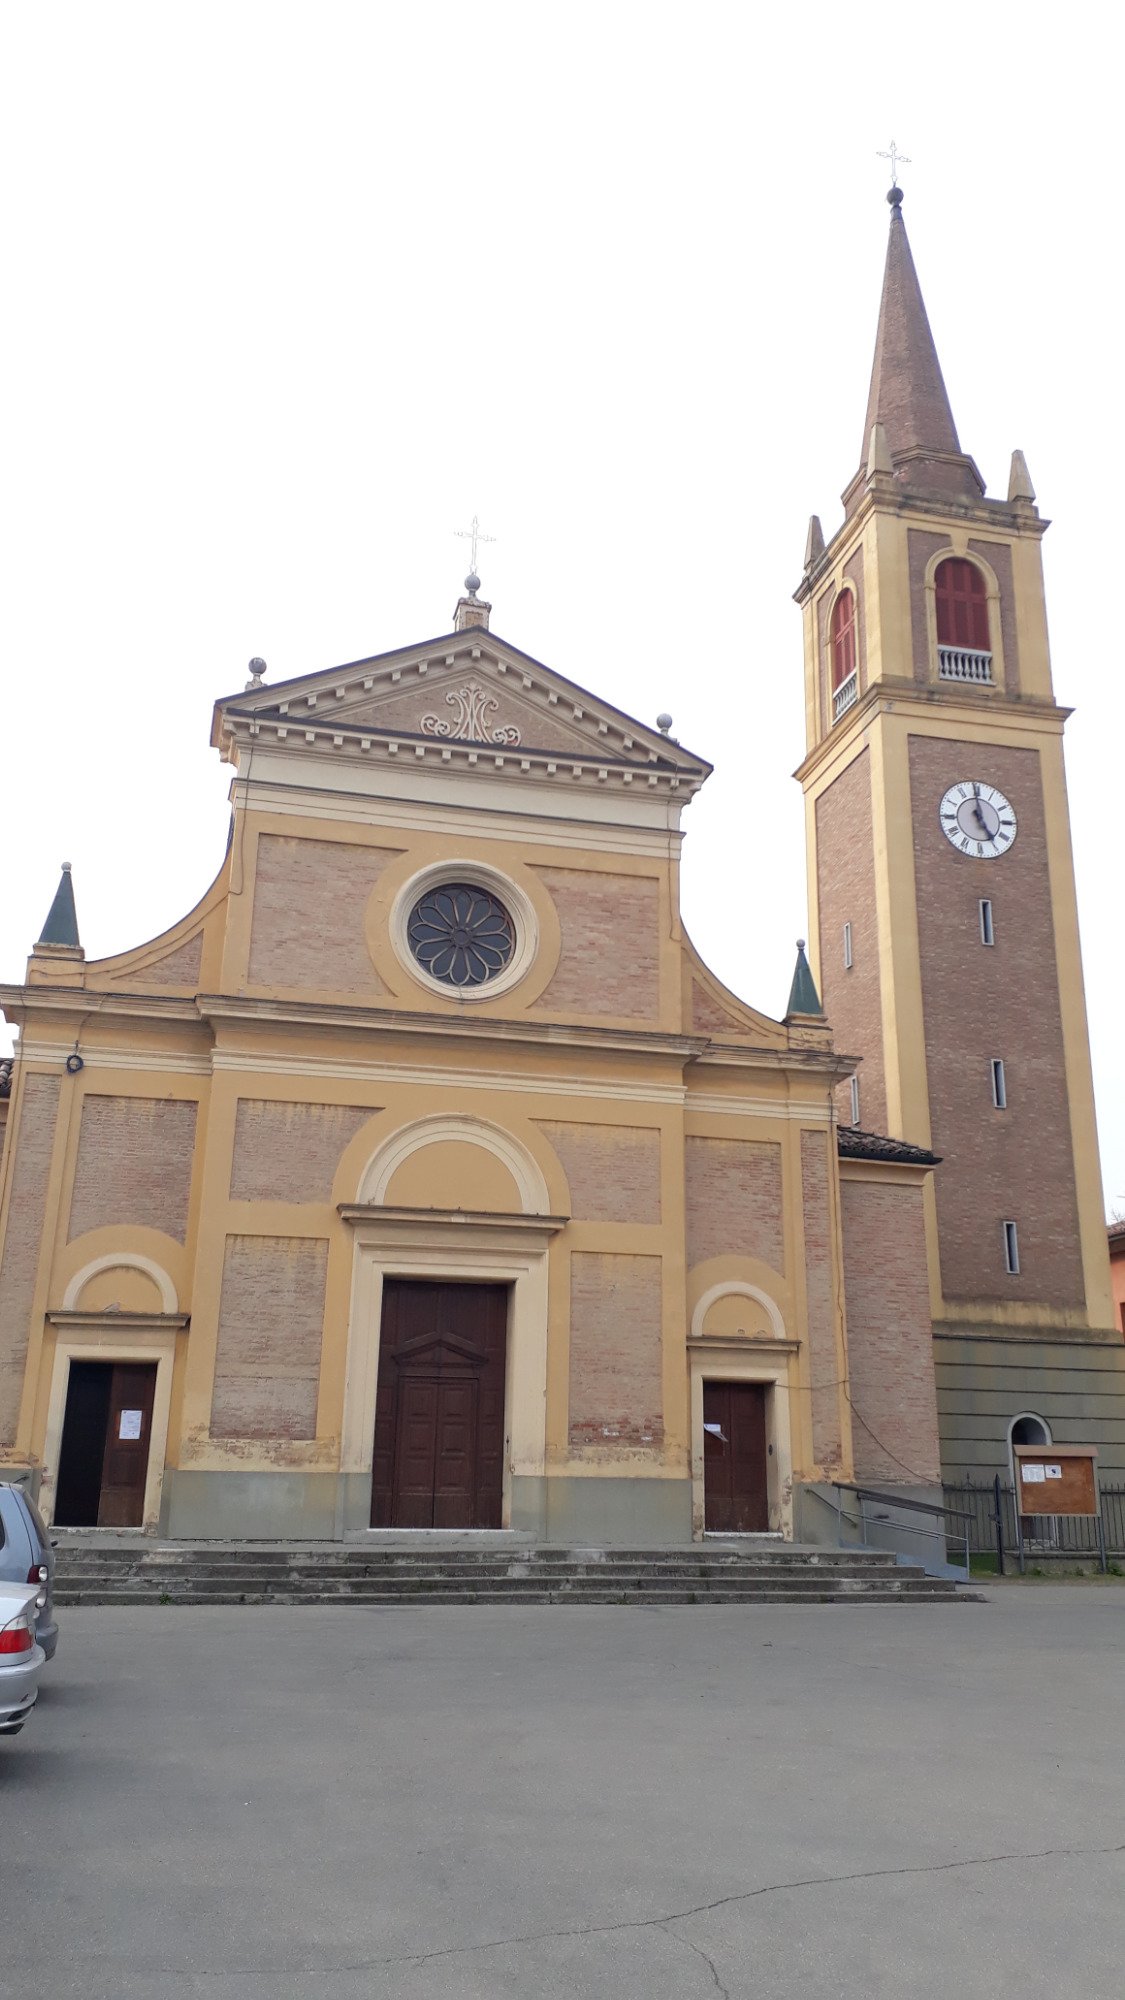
(104, 1572)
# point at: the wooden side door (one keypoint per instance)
(735, 1478)
(127, 1438)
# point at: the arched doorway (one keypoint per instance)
(1027, 1428)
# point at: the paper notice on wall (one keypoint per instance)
(130, 1425)
(1033, 1475)
(1052, 1472)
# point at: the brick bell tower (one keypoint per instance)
(942, 903)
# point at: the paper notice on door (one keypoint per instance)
(130, 1425)
(1033, 1475)
(715, 1431)
(1052, 1472)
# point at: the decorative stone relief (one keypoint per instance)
(472, 720)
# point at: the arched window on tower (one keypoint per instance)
(844, 650)
(964, 642)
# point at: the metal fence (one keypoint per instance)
(994, 1529)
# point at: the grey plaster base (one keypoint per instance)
(919, 1538)
(1077, 1386)
(258, 1506)
(324, 1506)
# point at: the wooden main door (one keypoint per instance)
(439, 1413)
(735, 1482)
(103, 1459)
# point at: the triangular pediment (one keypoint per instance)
(469, 689)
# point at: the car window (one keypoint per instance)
(37, 1520)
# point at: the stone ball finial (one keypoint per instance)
(472, 583)
(257, 669)
(664, 723)
(894, 196)
(800, 944)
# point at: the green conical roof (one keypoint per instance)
(61, 926)
(803, 996)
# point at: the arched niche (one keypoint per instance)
(736, 1310)
(450, 1162)
(121, 1281)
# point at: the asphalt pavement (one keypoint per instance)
(828, 1803)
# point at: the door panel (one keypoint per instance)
(439, 1413)
(127, 1434)
(735, 1478)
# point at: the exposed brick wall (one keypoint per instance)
(135, 1157)
(734, 1205)
(609, 958)
(921, 548)
(890, 1340)
(980, 1002)
(310, 897)
(708, 1018)
(852, 1001)
(271, 1324)
(853, 571)
(290, 1152)
(615, 1350)
(180, 968)
(823, 1365)
(33, 1141)
(613, 1171)
(998, 556)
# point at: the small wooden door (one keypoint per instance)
(439, 1414)
(103, 1458)
(735, 1479)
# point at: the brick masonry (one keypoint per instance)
(921, 548)
(135, 1157)
(271, 1322)
(613, 1171)
(709, 1018)
(32, 1143)
(986, 1001)
(852, 1000)
(609, 956)
(310, 899)
(733, 1196)
(290, 1152)
(615, 1351)
(180, 968)
(823, 1365)
(890, 1343)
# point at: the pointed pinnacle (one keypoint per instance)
(814, 542)
(1019, 479)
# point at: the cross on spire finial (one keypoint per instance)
(896, 159)
(474, 535)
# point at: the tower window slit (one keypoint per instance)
(847, 947)
(987, 934)
(855, 1100)
(1011, 1250)
(999, 1084)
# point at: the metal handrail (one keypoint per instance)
(865, 1493)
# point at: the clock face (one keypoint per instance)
(977, 819)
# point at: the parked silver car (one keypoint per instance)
(21, 1660)
(27, 1556)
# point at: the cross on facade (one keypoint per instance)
(473, 535)
(896, 159)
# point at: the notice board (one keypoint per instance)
(1056, 1478)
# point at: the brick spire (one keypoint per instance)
(907, 396)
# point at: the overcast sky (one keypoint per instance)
(295, 290)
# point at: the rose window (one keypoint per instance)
(460, 934)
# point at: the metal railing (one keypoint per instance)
(961, 663)
(844, 696)
(888, 1506)
(997, 1530)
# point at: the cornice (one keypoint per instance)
(227, 1009)
(889, 693)
(883, 496)
(16, 1002)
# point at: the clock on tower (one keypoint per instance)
(944, 925)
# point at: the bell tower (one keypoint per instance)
(942, 902)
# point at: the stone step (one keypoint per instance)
(825, 1593)
(74, 1561)
(195, 1588)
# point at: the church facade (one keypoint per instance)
(423, 1176)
